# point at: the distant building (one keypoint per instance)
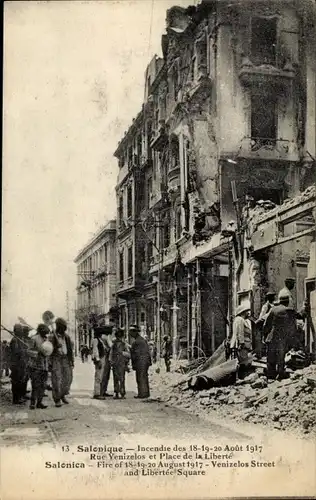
(227, 126)
(96, 282)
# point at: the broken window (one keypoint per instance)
(121, 265)
(139, 146)
(130, 156)
(129, 201)
(165, 233)
(149, 191)
(149, 251)
(263, 117)
(130, 262)
(121, 210)
(175, 157)
(263, 40)
(178, 223)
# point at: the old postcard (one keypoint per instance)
(158, 305)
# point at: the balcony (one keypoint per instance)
(174, 180)
(160, 136)
(251, 74)
(268, 149)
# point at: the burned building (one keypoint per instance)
(228, 124)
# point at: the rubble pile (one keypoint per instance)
(288, 404)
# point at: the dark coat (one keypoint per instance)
(140, 354)
(18, 358)
(280, 325)
(70, 353)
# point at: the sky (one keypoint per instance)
(73, 81)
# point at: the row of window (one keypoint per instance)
(98, 259)
(121, 263)
(98, 296)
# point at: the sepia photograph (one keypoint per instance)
(158, 284)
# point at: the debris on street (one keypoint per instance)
(288, 404)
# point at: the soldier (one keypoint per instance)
(62, 363)
(118, 358)
(241, 341)
(167, 351)
(141, 362)
(289, 285)
(279, 329)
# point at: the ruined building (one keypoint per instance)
(227, 131)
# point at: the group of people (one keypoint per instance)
(47, 354)
(114, 354)
(277, 326)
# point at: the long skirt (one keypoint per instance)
(98, 377)
(61, 378)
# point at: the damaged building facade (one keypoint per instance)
(226, 131)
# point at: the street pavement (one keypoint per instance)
(30, 439)
(95, 420)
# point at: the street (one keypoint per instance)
(48, 446)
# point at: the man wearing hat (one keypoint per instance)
(141, 361)
(279, 328)
(106, 336)
(62, 362)
(119, 357)
(38, 366)
(289, 284)
(241, 341)
(100, 355)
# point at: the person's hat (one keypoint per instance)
(245, 306)
(283, 295)
(61, 322)
(43, 329)
(270, 294)
(134, 328)
(18, 329)
(290, 278)
(119, 332)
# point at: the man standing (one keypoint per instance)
(18, 365)
(107, 341)
(119, 356)
(38, 366)
(279, 328)
(287, 291)
(141, 362)
(62, 363)
(167, 351)
(49, 320)
(98, 358)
